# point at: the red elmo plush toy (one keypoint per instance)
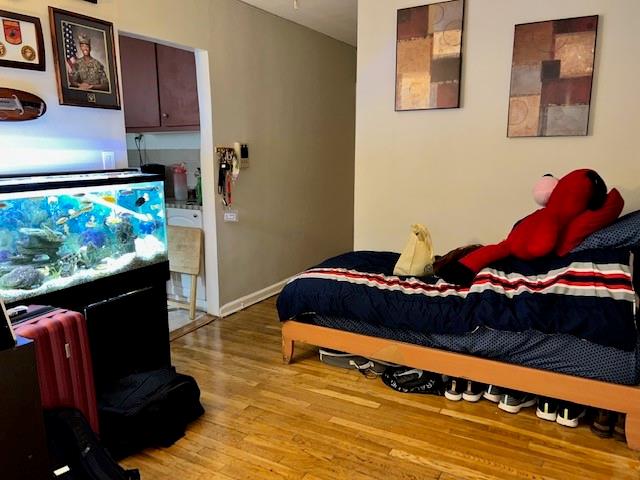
(577, 206)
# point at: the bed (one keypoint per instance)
(558, 327)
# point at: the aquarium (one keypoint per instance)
(57, 231)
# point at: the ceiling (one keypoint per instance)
(335, 18)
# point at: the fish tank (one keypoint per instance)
(58, 231)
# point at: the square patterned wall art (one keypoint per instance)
(428, 56)
(551, 75)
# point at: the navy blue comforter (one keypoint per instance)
(588, 294)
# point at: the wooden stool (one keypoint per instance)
(185, 256)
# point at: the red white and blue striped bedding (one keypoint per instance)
(587, 294)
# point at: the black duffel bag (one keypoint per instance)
(150, 409)
(76, 453)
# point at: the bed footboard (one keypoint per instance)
(584, 391)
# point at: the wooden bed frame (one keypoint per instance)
(595, 393)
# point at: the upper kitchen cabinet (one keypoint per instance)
(159, 86)
(139, 83)
(178, 87)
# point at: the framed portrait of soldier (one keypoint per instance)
(84, 54)
(21, 42)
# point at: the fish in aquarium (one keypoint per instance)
(142, 200)
(113, 219)
(91, 223)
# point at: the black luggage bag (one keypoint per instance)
(150, 409)
(76, 453)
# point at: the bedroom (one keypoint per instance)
(418, 166)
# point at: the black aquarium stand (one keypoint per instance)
(127, 320)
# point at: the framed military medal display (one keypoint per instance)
(21, 42)
(84, 54)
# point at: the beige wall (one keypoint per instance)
(290, 94)
(455, 170)
(285, 90)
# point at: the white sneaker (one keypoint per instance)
(453, 391)
(547, 409)
(493, 393)
(514, 401)
(569, 414)
(473, 392)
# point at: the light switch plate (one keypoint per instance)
(108, 160)
(231, 216)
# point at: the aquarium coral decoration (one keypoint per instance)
(69, 264)
(125, 236)
(95, 237)
(24, 278)
(38, 242)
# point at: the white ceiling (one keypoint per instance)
(335, 18)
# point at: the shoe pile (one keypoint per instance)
(512, 401)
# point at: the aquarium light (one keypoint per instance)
(51, 191)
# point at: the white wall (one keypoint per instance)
(455, 170)
(65, 138)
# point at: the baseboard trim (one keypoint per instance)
(251, 299)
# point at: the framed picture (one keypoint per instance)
(21, 42)
(429, 56)
(84, 54)
(551, 76)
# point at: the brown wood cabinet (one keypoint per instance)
(159, 85)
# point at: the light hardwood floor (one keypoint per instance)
(309, 421)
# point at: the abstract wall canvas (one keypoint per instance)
(551, 74)
(429, 56)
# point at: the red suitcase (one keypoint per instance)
(63, 359)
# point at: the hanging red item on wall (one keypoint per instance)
(12, 32)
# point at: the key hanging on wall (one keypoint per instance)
(227, 174)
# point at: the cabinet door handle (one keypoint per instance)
(165, 115)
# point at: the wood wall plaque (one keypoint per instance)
(16, 105)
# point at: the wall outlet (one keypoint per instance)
(108, 160)
(231, 216)
(244, 163)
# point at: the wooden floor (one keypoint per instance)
(309, 421)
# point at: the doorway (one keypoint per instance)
(168, 120)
